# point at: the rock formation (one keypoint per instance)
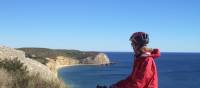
(99, 59)
(46, 67)
(32, 66)
(59, 62)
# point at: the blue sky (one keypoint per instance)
(100, 25)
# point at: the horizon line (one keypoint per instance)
(107, 50)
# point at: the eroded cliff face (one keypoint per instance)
(59, 62)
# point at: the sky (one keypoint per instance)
(100, 25)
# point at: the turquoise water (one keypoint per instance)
(176, 70)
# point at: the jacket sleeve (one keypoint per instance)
(156, 53)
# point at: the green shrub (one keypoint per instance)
(13, 66)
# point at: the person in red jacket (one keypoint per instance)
(144, 73)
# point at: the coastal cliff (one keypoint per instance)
(58, 58)
(14, 62)
(61, 61)
(32, 66)
(36, 66)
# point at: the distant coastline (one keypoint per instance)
(50, 61)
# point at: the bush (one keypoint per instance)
(42, 53)
(13, 66)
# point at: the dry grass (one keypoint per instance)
(14, 75)
(5, 78)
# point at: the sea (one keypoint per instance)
(175, 70)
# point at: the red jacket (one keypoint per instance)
(144, 74)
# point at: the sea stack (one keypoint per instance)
(102, 58)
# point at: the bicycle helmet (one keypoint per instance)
(140, 38)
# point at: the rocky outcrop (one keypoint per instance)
(34, 67)
(10, 53)
(99, 59)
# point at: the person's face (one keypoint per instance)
(133, 45)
